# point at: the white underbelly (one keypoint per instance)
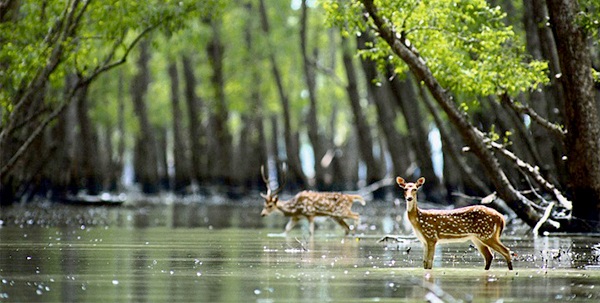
(454, 239)
(442, 238)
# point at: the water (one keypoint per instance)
(225, 252)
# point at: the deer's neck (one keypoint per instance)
(411, 206)
(413, 212)
(285, 207)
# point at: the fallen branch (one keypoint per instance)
(375, 186)
(544, 219)
(534, 173)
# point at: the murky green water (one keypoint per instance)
(227, 253)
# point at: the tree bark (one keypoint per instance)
(539, 100)
(164, 181)
(258, 142)
(381, 95)
(451, 151)
(363, 130)
(296, 174)
(406, 96)
(581, 112)
(222, 158)
(197, 132)
(312, 122)
(120, 162)
(146, 169)
(90, 178)
(181, 178)
(65, 164)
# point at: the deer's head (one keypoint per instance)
(270, 197)
(410, 189)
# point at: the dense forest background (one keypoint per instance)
(493, 100)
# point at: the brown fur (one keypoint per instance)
(480, 224)
(311, 204)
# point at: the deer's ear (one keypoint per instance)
(400, 182)
(264, 196)
(420, 181)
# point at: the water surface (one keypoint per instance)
(225, 252)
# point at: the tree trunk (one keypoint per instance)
(581, 112)
(222, 157)
(555, 94)
(275, 138)
(338, 178)
(161, 154)
(146, 169)
(451, 152)
(381, 94)
(418, 136)
(90, 179)
(550, 53)
(65, 163)
(318, 145)
(258, 142)
(197, 133)
(363, 130)
(540, 101)
(296, 175)
(181, 178)
(120, 162)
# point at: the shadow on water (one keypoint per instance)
(225, 252)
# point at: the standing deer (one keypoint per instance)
(480, 224)
(310, 204)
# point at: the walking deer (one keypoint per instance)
(310, 204)
(480, 224)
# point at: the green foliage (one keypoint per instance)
(466, 44)
(97, 35)
(589, 18)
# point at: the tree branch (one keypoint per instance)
(80, 83)
(328, 72)
(544, 219)
(523, 109)
(67, 31)
(534, 173)
(108, 66)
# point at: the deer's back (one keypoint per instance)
(478, 220)
(333, 204)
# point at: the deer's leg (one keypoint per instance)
(485, 251)
(428, 254)
(343, 223)
(356, 217)
(495, 244)
(291, 224)
(311, 225)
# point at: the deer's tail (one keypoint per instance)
(360, 199)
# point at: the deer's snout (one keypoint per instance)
(409, 198)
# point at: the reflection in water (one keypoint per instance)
(227, 252)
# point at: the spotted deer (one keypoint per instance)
(310, 204)
(480, 224)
